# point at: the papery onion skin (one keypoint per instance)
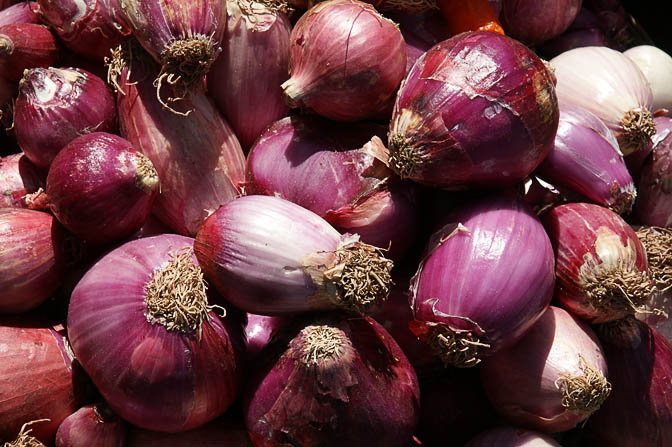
(226, 431)
(19, 13)
(24, 46)
(508, 436)
(501, 264)
(654, 205)
(363, 391)
(57, 105)
(656, 65)
(638, 411)
(529, 382)
(18, 177)
(364, 55)
(590, 241)
(36, 378)
(151, 377)
(32, 258)
(245, 79)
(92, 425)
(100, 188)
(586, 159)
(535, 21)
(194, 183)
(477, 110)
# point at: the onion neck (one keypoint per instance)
(637, 129)
(584, 393)
(321, 344)
(617, 290)
(624, 199)
(24, 439)
(456, 348)
(146, 177)
(294, 93)
(657, 242)
(405, 160)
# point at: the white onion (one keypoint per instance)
(610, 85)
(657, 68)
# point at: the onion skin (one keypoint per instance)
(501, 236)
(55, 106)
(438, 134)
(36, 378)
(654, 206)
(19, 13)
(587, 160)
(656, 65)
(194, 183)
(590, 240)
(640, 361)
(507, 436)
(524, 382)
(24, 46)
(535, 21)
(18, 177)
(365, 58)
(151, 377)
(366, 394)
(92, 425)
(32, 258)
(245, 79)
(225, 431)
(100, 188)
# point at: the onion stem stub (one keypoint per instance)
(618, 291)
(146, 177)
(658, 244)
(24, 439)
(322, 343)
(638, 128)
(404, 158)
(456, 348)
(583, 393)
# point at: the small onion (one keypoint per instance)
(18, 178)
(55, 106)
(639, 411)
(245, 79)
(610, 85)
(24, 46)
(225, 431)
(100, 188)
(92, 425)
(346, 61)
(551, 380)
(268, 256)
(586, 159)
(140, 325)
(601, 266)
(536, 21)
(654, 205)
(500, 262)
(19, 13)
(260, 330)
(333, 381)
(478, 109)
(507, 436)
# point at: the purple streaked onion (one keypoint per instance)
(24, 46)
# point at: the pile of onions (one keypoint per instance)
(656, 65)
(269, 256)
(495, 250)
(586, 159)
(18, 178)
(92, 425)
(346, 61)
(610, 85)
(507, 436)
(24, 46)
(554, 378)
(333, 381)
(639, 410)
(141, 326)
(654, 205)
(477, 110)
(536, 21)
(601, 267)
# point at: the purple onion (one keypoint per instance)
(260, 330)
(478, 109)
(100, 188)
(536, 21)
(55, 106)
(24, 46)
(587, 160)
(269, 256)
(141, 326)
(654, 205)
(335, 171)
(92, 425)
(18, 178)
(507, 436)
(225, 431)
(501, 266)
(19, 13)
(346, 61)
(245, 79)
(583, 32)
(333, 381)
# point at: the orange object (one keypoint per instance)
(469, 15)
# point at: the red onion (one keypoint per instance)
(479, 109)
(500, 262)
(140, 325)
(100, 188)
(19, 13)
(536, 21)
(222, 432)
(332, 381)
(333, 170)
(260, 330)
(601, 267)
(583, 32)
(269, 256)
(18, 178)
(36, 378)
(638, 411)
(87, 27)
(610, 85)
(24, 46)
(245, 79)
(587, 160)
(551, 380)
(194, 183)
(56, 105)
(32, 258)
(92, 425)
(507, 436)
(656, 66)
(184, 36)
(654, 205)
(346, 61)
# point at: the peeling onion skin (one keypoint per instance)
(18, 177)
(476, 110)
(92, 425)
(367, 395)
(654, 205)
(508, 436)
